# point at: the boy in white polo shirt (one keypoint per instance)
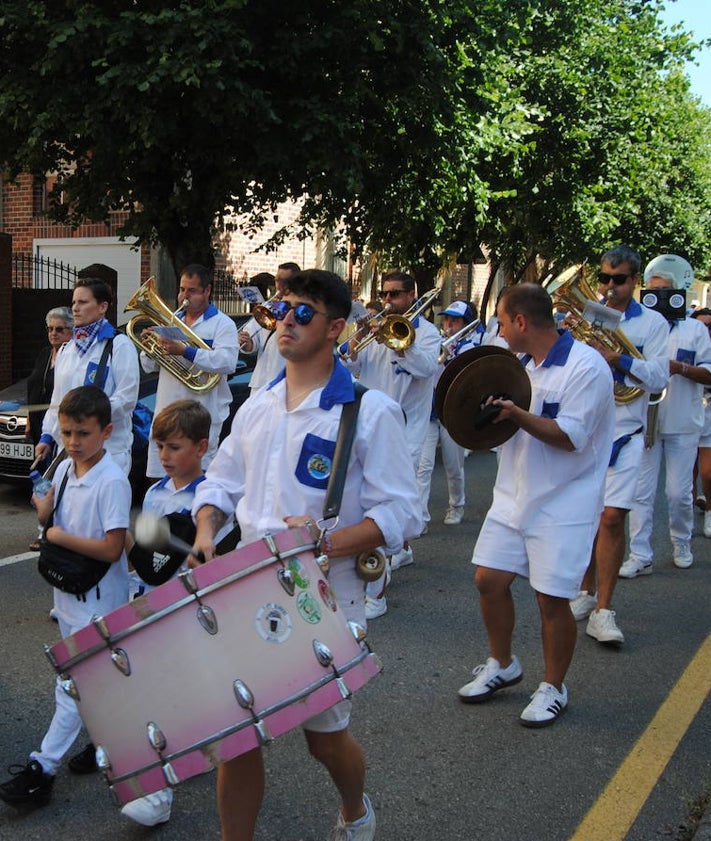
(91, 518)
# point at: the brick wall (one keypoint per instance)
(6, 307)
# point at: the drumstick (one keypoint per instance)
(153, 532)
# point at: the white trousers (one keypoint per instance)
(453, 461)
(65, 725)
(679, 451)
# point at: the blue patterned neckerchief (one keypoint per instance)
(85, 336)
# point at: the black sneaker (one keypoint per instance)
(29, 784)
(84, 762)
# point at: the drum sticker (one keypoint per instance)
(299, 572)
(273, 623)
(327, 595)
(308, 608)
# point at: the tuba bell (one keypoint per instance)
(153, 309)
(571, 292)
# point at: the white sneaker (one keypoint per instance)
(404, 558)
(547, 705)
(603, 627)
(361, 830)
(707, 523)
(489, 677)
(375, 607)
(700, 502)
(582, 605)
(633, 567)
(453, 517)
(151, 809)
(682, 554)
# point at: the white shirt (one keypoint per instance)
(98, 502)
(648, 331)
(270, 362)
(407, 379)
(535, 481)
(276, 463)
(122, 375)
(682, 409)
(219, 332)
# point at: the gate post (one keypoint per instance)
(6, 307)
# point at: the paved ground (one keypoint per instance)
(437, 769)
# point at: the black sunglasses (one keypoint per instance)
(617, 279)
(303, 313)
(393, 293)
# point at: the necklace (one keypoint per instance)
(292, 401)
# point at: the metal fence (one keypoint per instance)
(225, 293)
(31, 272)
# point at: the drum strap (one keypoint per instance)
(344, 442)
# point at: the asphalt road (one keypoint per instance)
(437, 769)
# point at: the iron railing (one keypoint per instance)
(32, 272)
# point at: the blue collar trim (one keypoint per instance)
(339, 389)
(106, 331)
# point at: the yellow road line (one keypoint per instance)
(614, 812)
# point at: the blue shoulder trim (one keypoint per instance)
(559, 353)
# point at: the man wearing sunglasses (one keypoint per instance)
(647, 331)
(408, 376)
(680, 420)
(273, 471)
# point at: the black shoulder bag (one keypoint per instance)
(65, 569)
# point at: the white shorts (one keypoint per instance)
(553, 557)
(621, 480)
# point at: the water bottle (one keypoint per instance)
(40, 485)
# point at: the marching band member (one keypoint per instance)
(458, 315)
(273, 470)
(408, 376)
(219, 332)
(647, 331)
(79, 361)
(253, 338)
(679, 425)
(547, 499)
(702, 468)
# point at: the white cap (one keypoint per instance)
(670, 267)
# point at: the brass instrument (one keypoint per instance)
(572, 292)
(147, 301)
(396, 331)
(358, 326)
(263, 314)
(454, 338)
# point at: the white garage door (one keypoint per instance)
(112, 252)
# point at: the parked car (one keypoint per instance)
(17, 448)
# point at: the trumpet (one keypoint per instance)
(451, 341)
(263, 314)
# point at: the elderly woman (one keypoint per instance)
(40, 383)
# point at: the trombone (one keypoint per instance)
(451, 341)
(396, 331)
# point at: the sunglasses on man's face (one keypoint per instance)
(303, 313)
(393, 293)
(617, 279)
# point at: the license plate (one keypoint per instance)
(25, 452)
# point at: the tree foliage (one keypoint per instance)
(418, 128)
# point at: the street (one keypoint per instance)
(438, 770)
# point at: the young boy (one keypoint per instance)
(181, 432)
(92, 518)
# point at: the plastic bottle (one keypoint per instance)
(40, 485)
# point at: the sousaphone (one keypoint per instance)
(467, 382)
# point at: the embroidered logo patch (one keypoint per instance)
(319, 466)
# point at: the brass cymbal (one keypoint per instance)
(451, 369)
(488, 374)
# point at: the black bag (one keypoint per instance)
(68, 571)
(158, 567)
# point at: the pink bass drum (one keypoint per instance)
(211, 664)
